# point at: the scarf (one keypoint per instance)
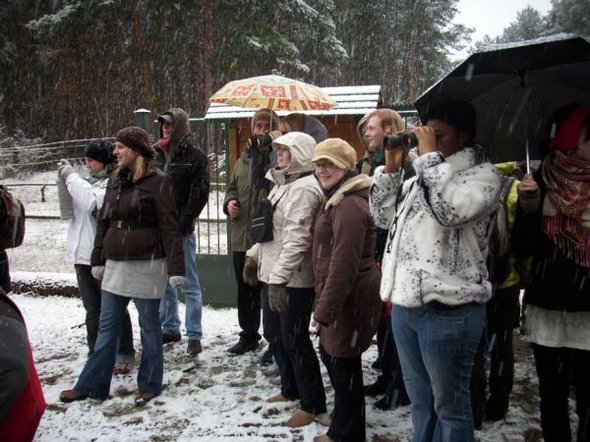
(97, 175)
(163, 144)
(566, 209)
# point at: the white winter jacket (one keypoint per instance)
(87, 200)
(439, 225)
(287, 258)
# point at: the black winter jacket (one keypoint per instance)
(188, 167)
(556, 281)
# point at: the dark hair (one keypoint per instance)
(459, 114)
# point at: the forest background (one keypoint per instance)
(79, 68)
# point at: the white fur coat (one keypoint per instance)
(439, 225)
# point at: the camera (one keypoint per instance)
(260, 141)
(405, 140)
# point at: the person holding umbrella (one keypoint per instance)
(553, 227)
(434, 266)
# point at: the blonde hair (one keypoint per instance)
(139, 169)
(143, 166)
(389, 119)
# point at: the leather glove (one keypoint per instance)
(64, 170)
(250, 272)
(97, 272)
(278, 299)
(176, 281)
(529, 201)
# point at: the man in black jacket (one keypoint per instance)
(178, 156)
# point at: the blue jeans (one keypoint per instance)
(436, 347)
(95, 379)
(192, 293)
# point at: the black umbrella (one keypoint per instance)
(515, 88)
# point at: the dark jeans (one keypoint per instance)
(4, 272)
(248, 302)
(348, 418)
(557, 368)
(90, 291)
(391, 371)
(288, 335)
(503, 312)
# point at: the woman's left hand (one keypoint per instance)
(426, 139)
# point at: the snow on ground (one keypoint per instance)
(220, 398)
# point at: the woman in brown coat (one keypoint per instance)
(137, 250)
(346, 282)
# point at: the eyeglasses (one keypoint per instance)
(324, 165)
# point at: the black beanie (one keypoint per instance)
(137, 139)
(101, 151)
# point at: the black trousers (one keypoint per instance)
(502, 317)
(90, 291)
(558, 368)
(288, 335)
(248, 302)
(391, 371)
(348, 418)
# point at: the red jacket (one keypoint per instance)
(21, 423)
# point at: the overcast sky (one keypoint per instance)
(492, 16)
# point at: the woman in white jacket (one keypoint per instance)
(284, 267)
(87, 196)
(434, 266)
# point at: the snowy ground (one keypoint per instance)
(220, 398)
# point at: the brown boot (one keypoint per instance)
(143, 398)
(71, 396)
(277, 398)
(324, 419)
(322, 438)
(194, 347)
(300, 418)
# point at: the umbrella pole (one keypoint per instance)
(528, 157)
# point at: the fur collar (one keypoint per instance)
(353, 185)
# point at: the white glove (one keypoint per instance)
(65, 169)
(176, 281)
(97, 272)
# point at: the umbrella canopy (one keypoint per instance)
(273, 92)
(514, 89)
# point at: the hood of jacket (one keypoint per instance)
(355, 184)
(301, 146)
(359, 131)
(180, 128)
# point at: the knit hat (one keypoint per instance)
(337, 151)
(101, 151)
(137, 139)
(268, 115)
(567, 135)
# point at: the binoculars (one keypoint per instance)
(405, 140)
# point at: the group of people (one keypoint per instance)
(396, 242)
(415, 226)
(131, 237)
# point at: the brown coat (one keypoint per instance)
(138, 222)
(346, 278)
